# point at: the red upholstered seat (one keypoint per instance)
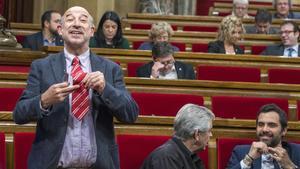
(20, 38)
(225, 147)
(22, 146)
(226, 73)
(147, 26)
(200, 28)
(10, 68)
(180, 46)
(298, 109)
(132, 67)
(290, 76)
(9, 98)
(136, 44)
(160, 104)
(243, 107)
(256, 50)
(200, 47)
(141, 26)
(134, 149)
(2, 151)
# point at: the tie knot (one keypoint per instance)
(75, 60)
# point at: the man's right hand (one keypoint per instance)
(257, 149)
(56, 93)
(156, 68)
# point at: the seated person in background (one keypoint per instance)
(109, 33)
(289, 33)
(229, 34)
(48, 36)
(283, 10)
(160, 32)
(164, 65)
(192, 130)
(263, 22)
(240, 9)
(270, 151)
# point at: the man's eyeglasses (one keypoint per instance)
(166, 63)
(285, 32)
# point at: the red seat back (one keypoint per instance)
(180, 46)
(20, 38)
(226, 73)
(132, 67)
(22, 146)
(11, 68)
(130, 147)
(256, 50)
(2, 151)
(225, 147)
(298, 109)
(136, 44)
(160, 104)
(200, 47)
(243, 107)
(200, 28)
(141, 26)
(290, 76)
(9, 98)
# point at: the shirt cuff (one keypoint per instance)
(244, 166)
(45, 112)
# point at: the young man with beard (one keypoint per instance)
(164, 65)
(48, 36)
(270, 151)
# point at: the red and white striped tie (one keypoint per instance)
(80, 97)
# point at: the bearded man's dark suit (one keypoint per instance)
(36, 41)
(239, 152)
(51, 128)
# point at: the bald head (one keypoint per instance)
(78, 9)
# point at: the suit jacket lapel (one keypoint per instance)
(95, 64)
(40, 41)
(58, 64)
(257, 163)
(179, 71)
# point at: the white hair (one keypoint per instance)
(241, 2)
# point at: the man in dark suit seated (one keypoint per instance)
(270, 151)
(263, 22)
(48, 36)
(73, 96)
(164, 65)
(283, 10)
(289, 47)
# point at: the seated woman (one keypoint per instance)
(229, 34)
(160, 32)
(109, 33)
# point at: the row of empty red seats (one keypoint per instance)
(159, 104)
(240, 107)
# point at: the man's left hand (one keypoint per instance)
(282, 157)
(95, 81)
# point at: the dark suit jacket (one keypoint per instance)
(184, 71)
(51, 129)
(252, 30)
(218, 47)
(276, 50)
(35, 41)
(240, 151)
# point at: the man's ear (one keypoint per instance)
(59, 30)
(46, 24)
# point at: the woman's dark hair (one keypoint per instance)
(113, 16)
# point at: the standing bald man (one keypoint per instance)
(73, 96)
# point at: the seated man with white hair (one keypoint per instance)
(240, 8)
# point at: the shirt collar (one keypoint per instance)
(83, 58)
(185, 150)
